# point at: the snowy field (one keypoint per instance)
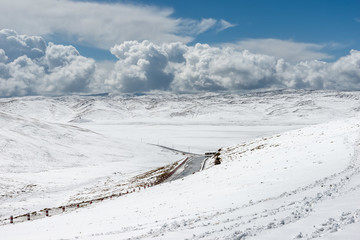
(290, 165)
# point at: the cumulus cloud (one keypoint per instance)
(19, 45)
(289, 50)
(345, 73)
(210, 68)
(3, 57)
(68, 71)
(28, 66)
(142, 66)
(145, 66)
(100, 25)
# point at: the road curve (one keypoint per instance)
(192, 165)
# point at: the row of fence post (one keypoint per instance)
(90, 202)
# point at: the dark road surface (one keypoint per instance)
(191, 166)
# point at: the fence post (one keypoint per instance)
(11, 219)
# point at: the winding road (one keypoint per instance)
(192, 165)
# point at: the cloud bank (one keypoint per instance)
(144, 66)
(30, 66)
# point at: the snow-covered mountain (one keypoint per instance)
(287, 173)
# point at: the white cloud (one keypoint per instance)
(19, 45)
(99, 24)
(68, 71)
(223, 24)
(147, 66)
(289, 50)
(3, 57)
(142, 66)
(30, 67)
(205, 25)
(345, 73)
(194, 27)
(210, 69)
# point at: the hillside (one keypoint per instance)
(298, 184)
(272, 182)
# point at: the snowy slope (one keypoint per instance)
(57, 150)
(299, 184)
(45, 163)
(174, 119)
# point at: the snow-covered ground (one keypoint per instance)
(275, 184)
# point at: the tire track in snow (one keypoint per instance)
(324, 189)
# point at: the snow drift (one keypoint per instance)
(275, 184)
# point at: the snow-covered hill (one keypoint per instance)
(174, 119)
(299, 184)
(275, 184)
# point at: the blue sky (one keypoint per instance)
(55, 47)
(335, 24)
